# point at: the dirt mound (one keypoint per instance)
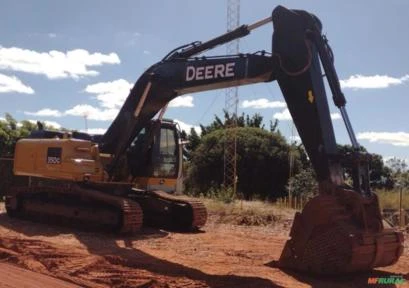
(245, 218)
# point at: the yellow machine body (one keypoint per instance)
(79, 160)
(65, 159)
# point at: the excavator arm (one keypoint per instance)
(340, 230)
(171, 78)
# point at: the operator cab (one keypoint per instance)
(155, 158)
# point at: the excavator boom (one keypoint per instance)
(166, 80)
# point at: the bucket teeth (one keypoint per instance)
(332, 235)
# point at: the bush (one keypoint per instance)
(247, 213)
(262, 164)
(304, 184)
(222, 194)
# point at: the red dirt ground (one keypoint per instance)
(220, 256)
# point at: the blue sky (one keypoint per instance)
(61, 60)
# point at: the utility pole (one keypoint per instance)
(231, 101)
(86, 121)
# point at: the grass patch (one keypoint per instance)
(248, 213)
(224, 209)
(389, 199)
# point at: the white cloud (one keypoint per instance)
(114, 93)
(392, 138)
(52, 35)
(111, 94)
(262, 103)
(54, 64)
(146, 52)
(286, 116)
(187, 127)
(182, 101)
(81, 110)
(53, 124)
(283, 115)
(95, 130)
(372, 82)
(46, 112)
(13, 84)
(335, 116)
(92, 113)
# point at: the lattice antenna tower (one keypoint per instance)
(231, 101)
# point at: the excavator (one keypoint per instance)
(94, 180)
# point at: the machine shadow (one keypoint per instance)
(135, 258)
(344, 280)
(131, 257)
(29, 228)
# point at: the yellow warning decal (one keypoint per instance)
(310, 97)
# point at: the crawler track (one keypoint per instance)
(93, 207)
(199, 217)
(75, 206)
(171, 212)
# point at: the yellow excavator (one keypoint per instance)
(68, 182)
(116, 180)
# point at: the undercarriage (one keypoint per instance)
(110, 207)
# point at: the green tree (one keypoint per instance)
(400, 171)
(194, 140)
(10, 132)
(380, 176)
(215, 125)
(242, 121)
(273, 126)
(255, 121)
(304, 183)
(262, 164)
(397, 165)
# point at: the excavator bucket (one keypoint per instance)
(340, 232)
